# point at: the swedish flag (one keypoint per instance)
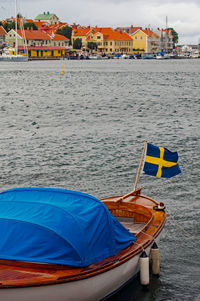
(160, 162)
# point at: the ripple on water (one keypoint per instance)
(86, 131)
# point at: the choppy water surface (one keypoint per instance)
(85, 131)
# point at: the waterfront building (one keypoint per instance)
(38, 43)
(166, 39)
(145, 41)
(82, 34)
(47, 17)
(107, 40)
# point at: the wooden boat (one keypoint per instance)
(27, 280)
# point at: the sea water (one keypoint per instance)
(85, 130)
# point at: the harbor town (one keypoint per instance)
(46, 37)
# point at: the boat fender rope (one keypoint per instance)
(141, 246)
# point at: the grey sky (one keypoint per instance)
(183, 16)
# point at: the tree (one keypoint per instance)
(65, 31)
(9, 26)
(30, 25)
(77, 44)
(92, 45)
(175, 35)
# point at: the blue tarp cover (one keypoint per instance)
(58, 226)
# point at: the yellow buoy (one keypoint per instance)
(62, 72)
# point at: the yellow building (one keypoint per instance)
(82, 34)
(35, 52)
(38, 43)
(106, 39)
(145, 41)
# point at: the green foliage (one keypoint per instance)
(77, 44)
(175, 35)
(65, 31)
(30, 25)
(138, 49)
(92, 45)
(9, 26)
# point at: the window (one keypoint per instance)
(136, 38)
(141, 38)
(98, 37)
(110, 43)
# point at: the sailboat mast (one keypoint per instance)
(16, 41)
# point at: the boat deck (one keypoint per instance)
(130, 225)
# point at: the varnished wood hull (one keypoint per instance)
(91, 289)
(31, 282)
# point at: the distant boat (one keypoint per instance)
(117, 56)
(95, 57)
(125, 56)
(147, 56)
(7, 56)
(162, 55)
(12, 55)
(63, 245)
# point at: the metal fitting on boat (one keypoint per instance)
(159, 207)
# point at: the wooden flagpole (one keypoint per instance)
(139, 169)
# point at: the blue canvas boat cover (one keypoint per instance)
(58, 226)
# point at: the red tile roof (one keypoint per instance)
(59, 37)
(2, 31)
(149, 32)
(39, 24)
(41, 35)
(81, 31)
(110, 34)
(29, 21)
(35, 35)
